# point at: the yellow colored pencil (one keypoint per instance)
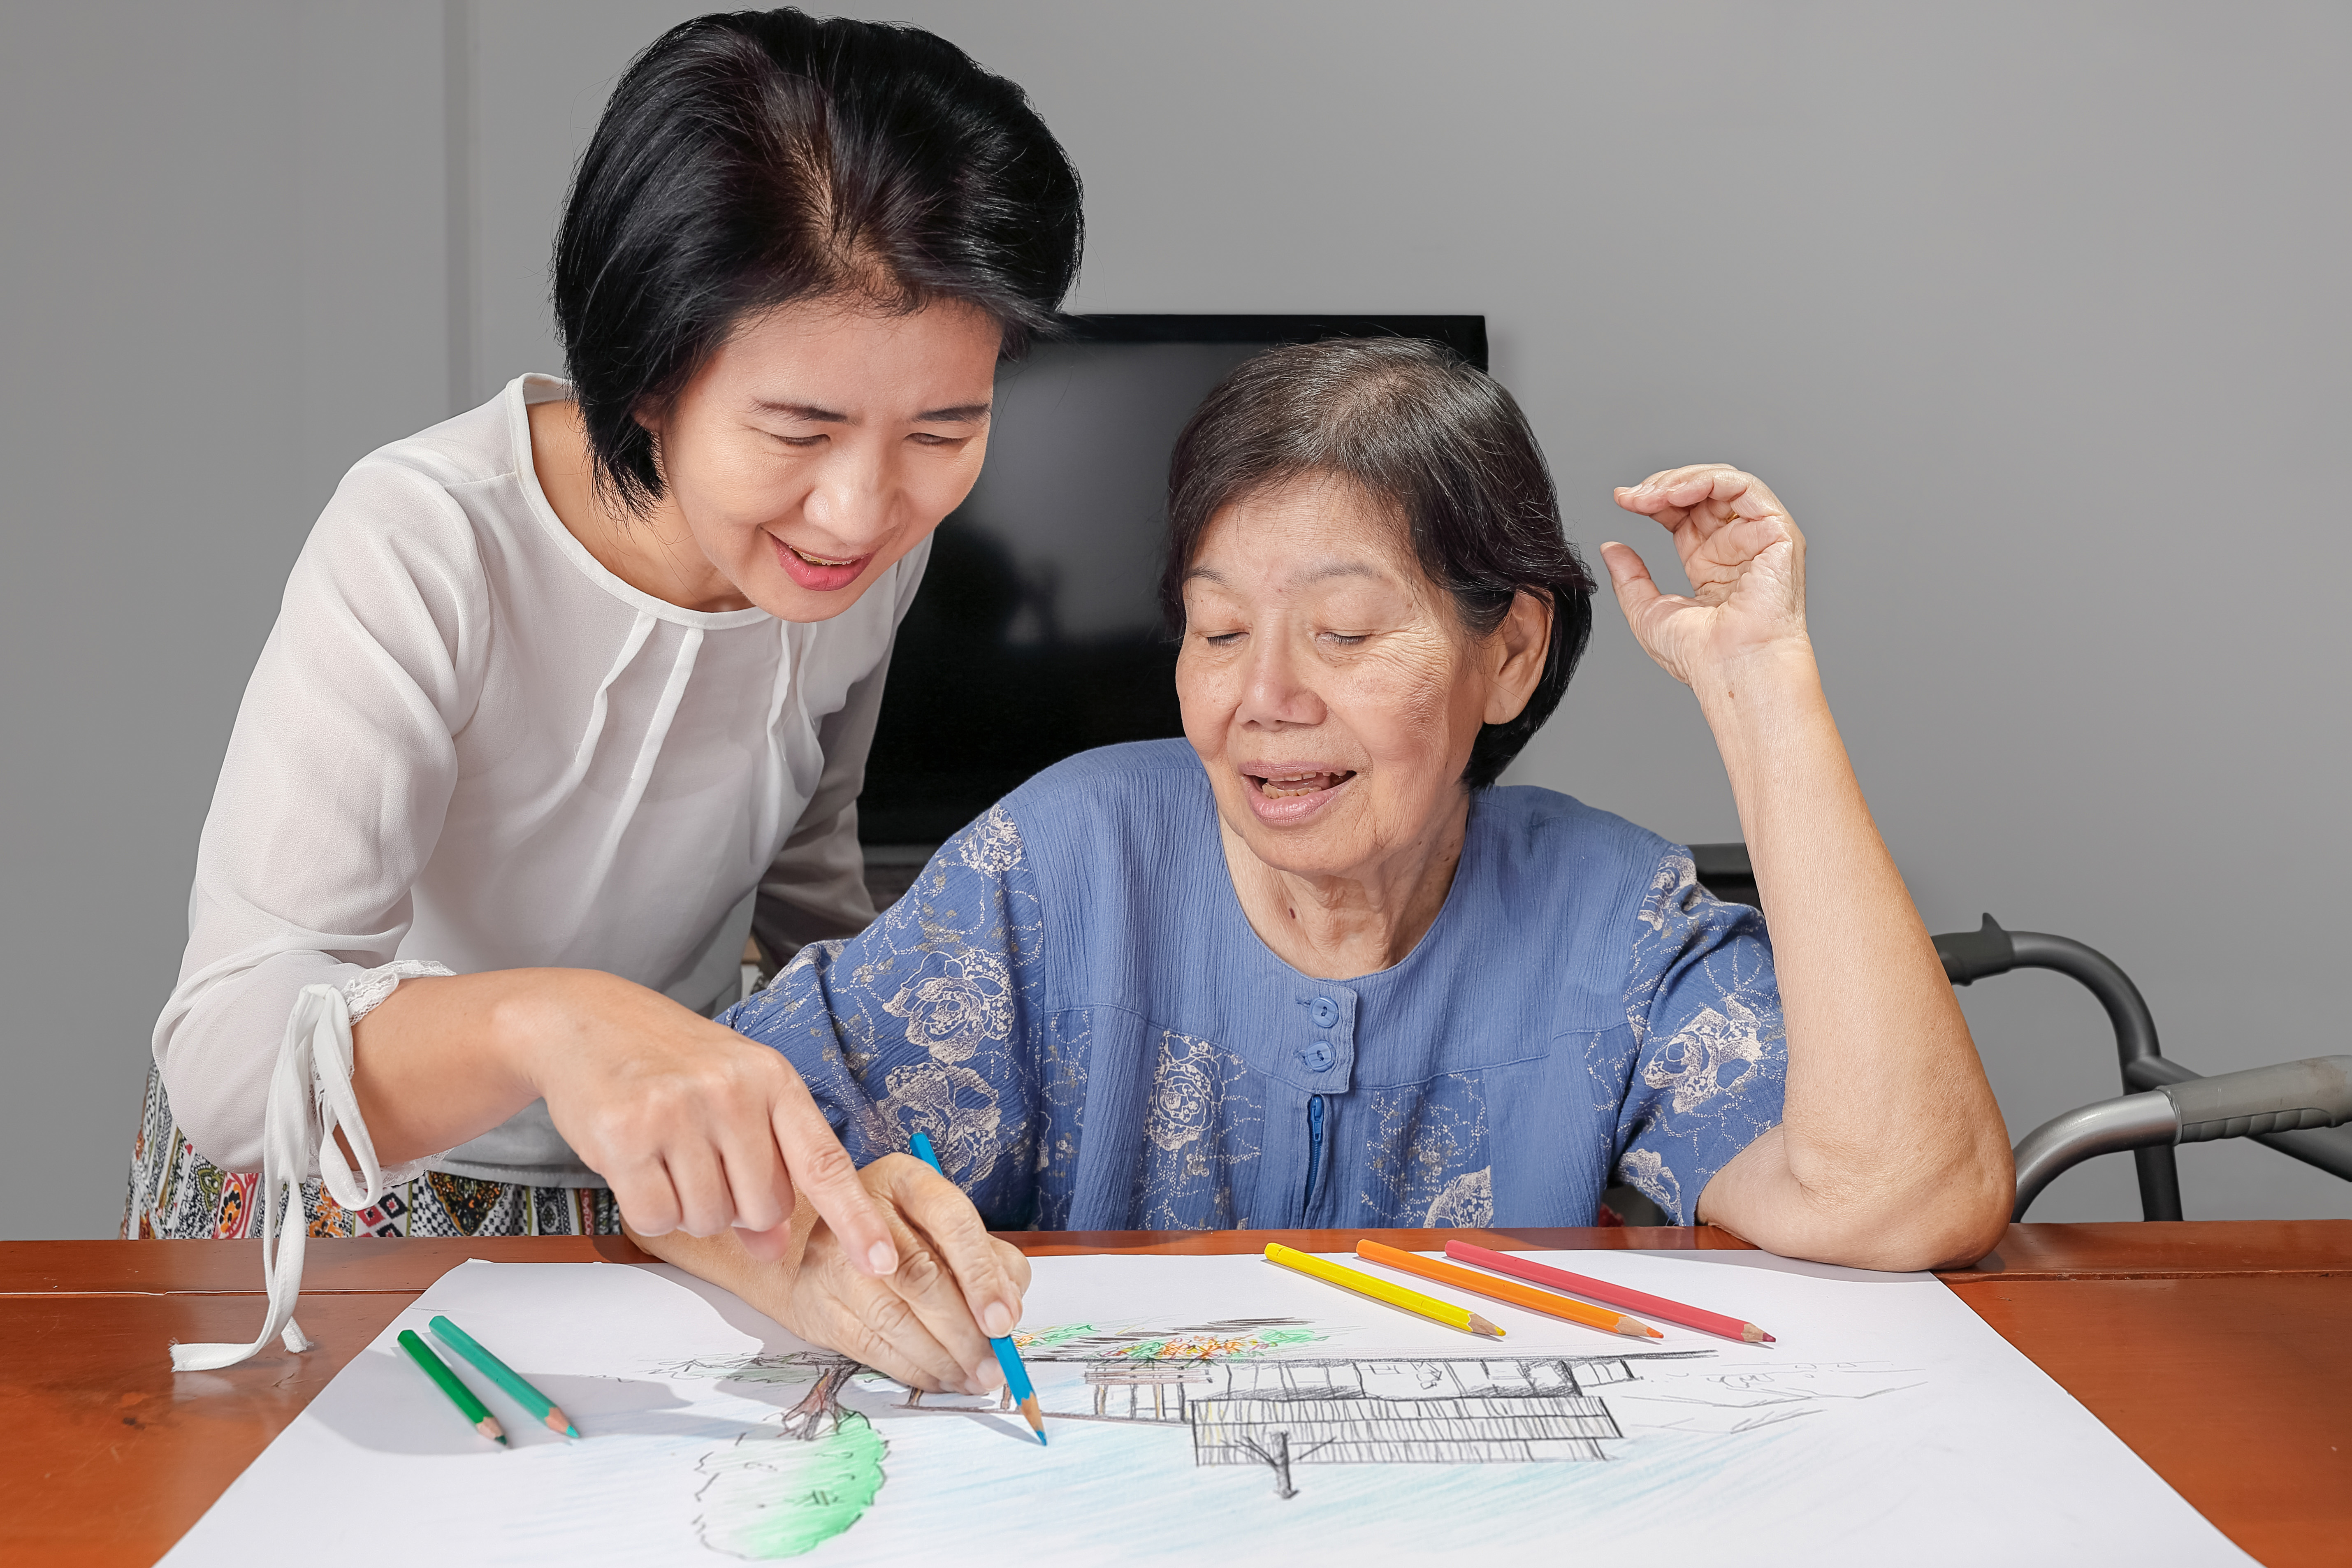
(1526, 1296)
(1429, 1307)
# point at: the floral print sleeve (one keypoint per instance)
(918, 1024)
(1710, 1051)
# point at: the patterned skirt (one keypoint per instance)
(178, 1194)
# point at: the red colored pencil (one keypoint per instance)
(1612, 1295)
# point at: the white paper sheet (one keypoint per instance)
(1222, 1406)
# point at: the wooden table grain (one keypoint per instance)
(2207, 1347)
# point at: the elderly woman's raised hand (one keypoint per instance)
(1746, 562)
(1891, 1153)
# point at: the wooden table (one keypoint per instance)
(2217, 1350)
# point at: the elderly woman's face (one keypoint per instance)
(1327, 684)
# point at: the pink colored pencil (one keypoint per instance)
(1609, 1295)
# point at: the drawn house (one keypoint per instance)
(1143, 1392)
(1244, 1407)
(1434, 1412)
(1431, 1410)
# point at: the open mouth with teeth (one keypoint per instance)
(821, 573)
(1288, 785)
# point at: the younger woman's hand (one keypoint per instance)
(1746, 562)
(929, 1325)
(695, 1128)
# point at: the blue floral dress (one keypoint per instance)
(1072, 1005)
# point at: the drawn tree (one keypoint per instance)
(1278, 1457)
(775, 1496)
(822, 1405)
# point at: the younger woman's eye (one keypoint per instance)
(803, 442)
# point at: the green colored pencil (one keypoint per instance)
(506, 1377)
(459, 1395)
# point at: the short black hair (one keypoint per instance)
(753, 158)
(1416, 428)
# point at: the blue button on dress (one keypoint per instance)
(1071, 1004)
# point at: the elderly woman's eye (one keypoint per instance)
(1345, 639)
(1221, 639)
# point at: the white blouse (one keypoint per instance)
(467, 743)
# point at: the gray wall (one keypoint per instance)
(2035, 315)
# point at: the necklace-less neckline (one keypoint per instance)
(1238, 914)
(532, 388)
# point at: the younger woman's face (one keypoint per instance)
(821, 442)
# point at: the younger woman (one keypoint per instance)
(558, 683)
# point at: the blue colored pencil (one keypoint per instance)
(1008, 1356)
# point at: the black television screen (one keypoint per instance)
(1037, 633)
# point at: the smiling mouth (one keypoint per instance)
(819, 559)
(1284, 786)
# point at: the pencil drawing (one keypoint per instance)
(1253, 1392)
(768, 1498)
(1362, 1410)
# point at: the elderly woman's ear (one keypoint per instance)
(1517, 649)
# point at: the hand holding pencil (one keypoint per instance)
(926, 1324)
(1008, 1357)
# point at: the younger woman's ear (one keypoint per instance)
(1519, 646)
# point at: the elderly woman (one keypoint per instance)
(1311, 968)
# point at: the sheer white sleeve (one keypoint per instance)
(311, 1100)
(332, 794)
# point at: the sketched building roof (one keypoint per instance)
(1487, 1429)
(1371, 1410)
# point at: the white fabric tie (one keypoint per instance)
(309, 1096)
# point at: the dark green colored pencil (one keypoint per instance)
(505, 1376)
(459, 1395)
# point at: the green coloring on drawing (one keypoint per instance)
(780, 1496)
(1046, 1339)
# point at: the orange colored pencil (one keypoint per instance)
(1518, 1295)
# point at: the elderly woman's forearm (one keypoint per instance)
(1906, 1214)
(1888, 1117)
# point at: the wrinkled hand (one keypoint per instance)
(1746, 562)
(929, 1325)
(696, 1128)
